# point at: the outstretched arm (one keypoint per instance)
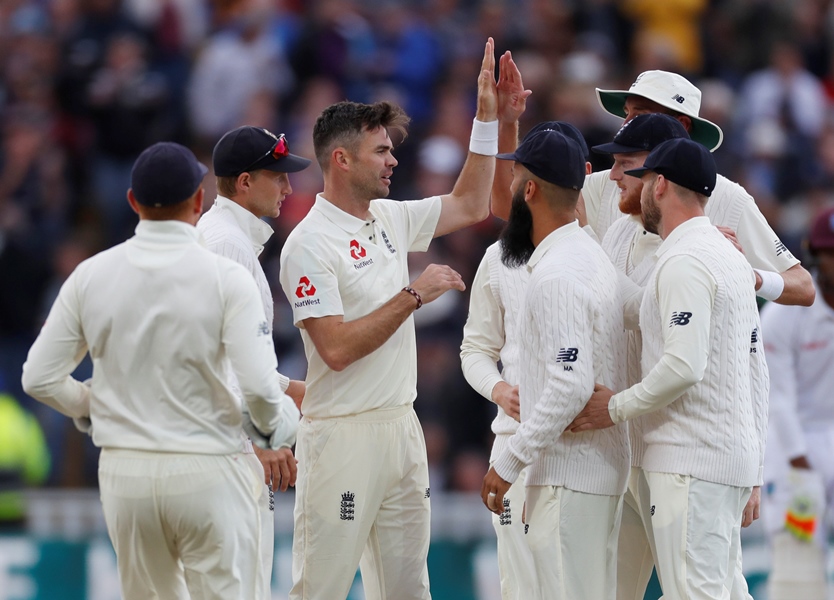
(468, 203)
(512, 101)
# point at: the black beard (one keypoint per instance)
(516, 238)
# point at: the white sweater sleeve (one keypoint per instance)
(563, 313)
(56, 353)
(248, 343)
(685, 293)
(483, 335)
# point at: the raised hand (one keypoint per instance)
(512, 97)
(487, 92)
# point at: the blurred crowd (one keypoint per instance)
(86, 85)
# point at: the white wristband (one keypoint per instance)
(484, 139)
(772, 285)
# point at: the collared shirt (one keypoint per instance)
(232, 231)
(336, 264)
(572, 327)
(159, 315)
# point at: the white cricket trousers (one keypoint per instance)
(634, 553)
(362, 493)
(184, 525)
(693, 529)
(515, 561)
(573, 540)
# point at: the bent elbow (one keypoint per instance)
(336, 361)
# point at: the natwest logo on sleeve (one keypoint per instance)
(305, 289)
(356, 251)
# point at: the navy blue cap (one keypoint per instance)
(165, 174)
(250, 149)
(564, 128)
(682, 161)
(643, 133)
(552, 156)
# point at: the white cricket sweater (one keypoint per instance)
(697, 318)
(491, 335)
(729, 206)
(572, 327)
(160, 315)
(632, 250)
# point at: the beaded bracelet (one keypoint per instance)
(414, 293)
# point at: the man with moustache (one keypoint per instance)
(489, 336)
(571, 321)
(703, 428)
(631, 248)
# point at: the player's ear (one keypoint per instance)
(340, 158)
(131, 199)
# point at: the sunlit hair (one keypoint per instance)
(343, 123)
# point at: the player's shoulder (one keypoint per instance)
(729, 190)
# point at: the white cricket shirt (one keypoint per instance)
(699, 321)
(336, 264)
(799, 343)
(572, 327)
(491, 334)
(159, 315)
(729, 206)
(232, 231)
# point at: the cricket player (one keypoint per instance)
(779, 276)
(252, 167)
(160, 315)
(632, 251)
(489, 336)
(363, 488)
(799, 473)
(703, 425)
(571, 321)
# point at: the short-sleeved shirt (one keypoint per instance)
(336, 264)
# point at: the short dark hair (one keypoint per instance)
(342, 123)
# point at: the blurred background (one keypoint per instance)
(86, 85)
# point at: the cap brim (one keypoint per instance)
(637, 172)
(510, 156)
(705, 132)
(288, 164)
(615, 148)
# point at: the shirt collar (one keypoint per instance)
(167, 232)
(340, 218)
(681, 230)
(256, 229)
(552, 238)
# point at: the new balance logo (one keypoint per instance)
(567, 355)
(678, 98)
(506, 516)
(348, 506)
(680, 318)
(305, 288)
